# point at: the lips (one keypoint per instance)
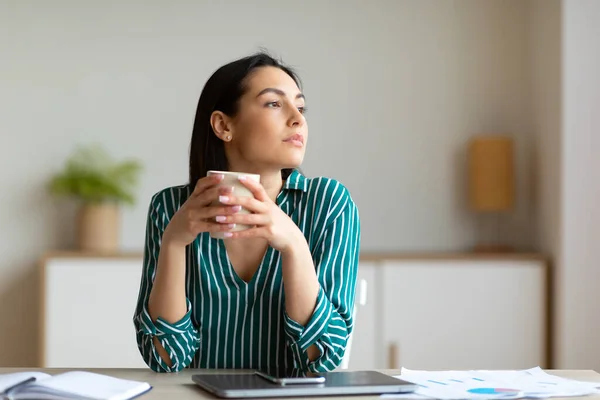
(297, 138)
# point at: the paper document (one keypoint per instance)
(483, 384)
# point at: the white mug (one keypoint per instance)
(231, 179)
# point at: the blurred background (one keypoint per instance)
(397, 90)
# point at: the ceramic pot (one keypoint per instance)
(98, 227)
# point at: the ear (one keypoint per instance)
(221, 125)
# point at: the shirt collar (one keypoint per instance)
(296, 181)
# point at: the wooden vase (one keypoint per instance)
(98, 227)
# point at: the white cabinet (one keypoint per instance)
(87, 307)
(454, 313)
(464, 314)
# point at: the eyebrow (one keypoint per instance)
(279, 92)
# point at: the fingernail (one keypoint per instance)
(223, 199)
(237, 208)
(220, 218)
(242, 178)
(227, 234)
(219, 176)
(231, 226)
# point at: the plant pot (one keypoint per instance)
(98, 227)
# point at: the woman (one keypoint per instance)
(279, 294)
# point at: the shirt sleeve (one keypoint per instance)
(331, 323)
(180, 339)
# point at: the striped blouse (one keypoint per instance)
(231, 323)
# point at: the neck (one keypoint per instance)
(272, 183)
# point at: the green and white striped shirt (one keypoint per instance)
(231, 323)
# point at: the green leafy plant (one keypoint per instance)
(91, 175)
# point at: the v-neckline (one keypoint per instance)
(234, 274)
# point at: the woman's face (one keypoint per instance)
(269, 131)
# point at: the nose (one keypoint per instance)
(296, 118)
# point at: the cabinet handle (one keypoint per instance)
(393, 356)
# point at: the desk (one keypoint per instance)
(180, 386)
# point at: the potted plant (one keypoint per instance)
(101, 185)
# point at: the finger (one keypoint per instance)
(245, 219)
(255, 187)
(217, 227)
(247, 233)
(206, 182)
(247, 202)
(214, 211)
(212, 194)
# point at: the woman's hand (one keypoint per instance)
(197, 215)
(269, 221)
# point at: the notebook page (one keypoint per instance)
(8, 380)
(498, 384)
(94, 386)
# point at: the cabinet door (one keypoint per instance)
(464, 314)
(88, 313)
(363, 351)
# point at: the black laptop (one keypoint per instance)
(251, 385)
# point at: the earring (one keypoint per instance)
(228, 138)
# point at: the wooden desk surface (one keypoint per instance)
(180, 386)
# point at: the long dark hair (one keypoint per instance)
(222, 92)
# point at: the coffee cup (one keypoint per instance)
(231, 179)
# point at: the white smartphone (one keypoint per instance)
(282, 377)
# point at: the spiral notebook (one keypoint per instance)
(69, 385)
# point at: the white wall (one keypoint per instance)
(579, 323)
(546, 53)
(566, 93)
(400, 84)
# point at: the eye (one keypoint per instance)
(273, 104)
(302, 109)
